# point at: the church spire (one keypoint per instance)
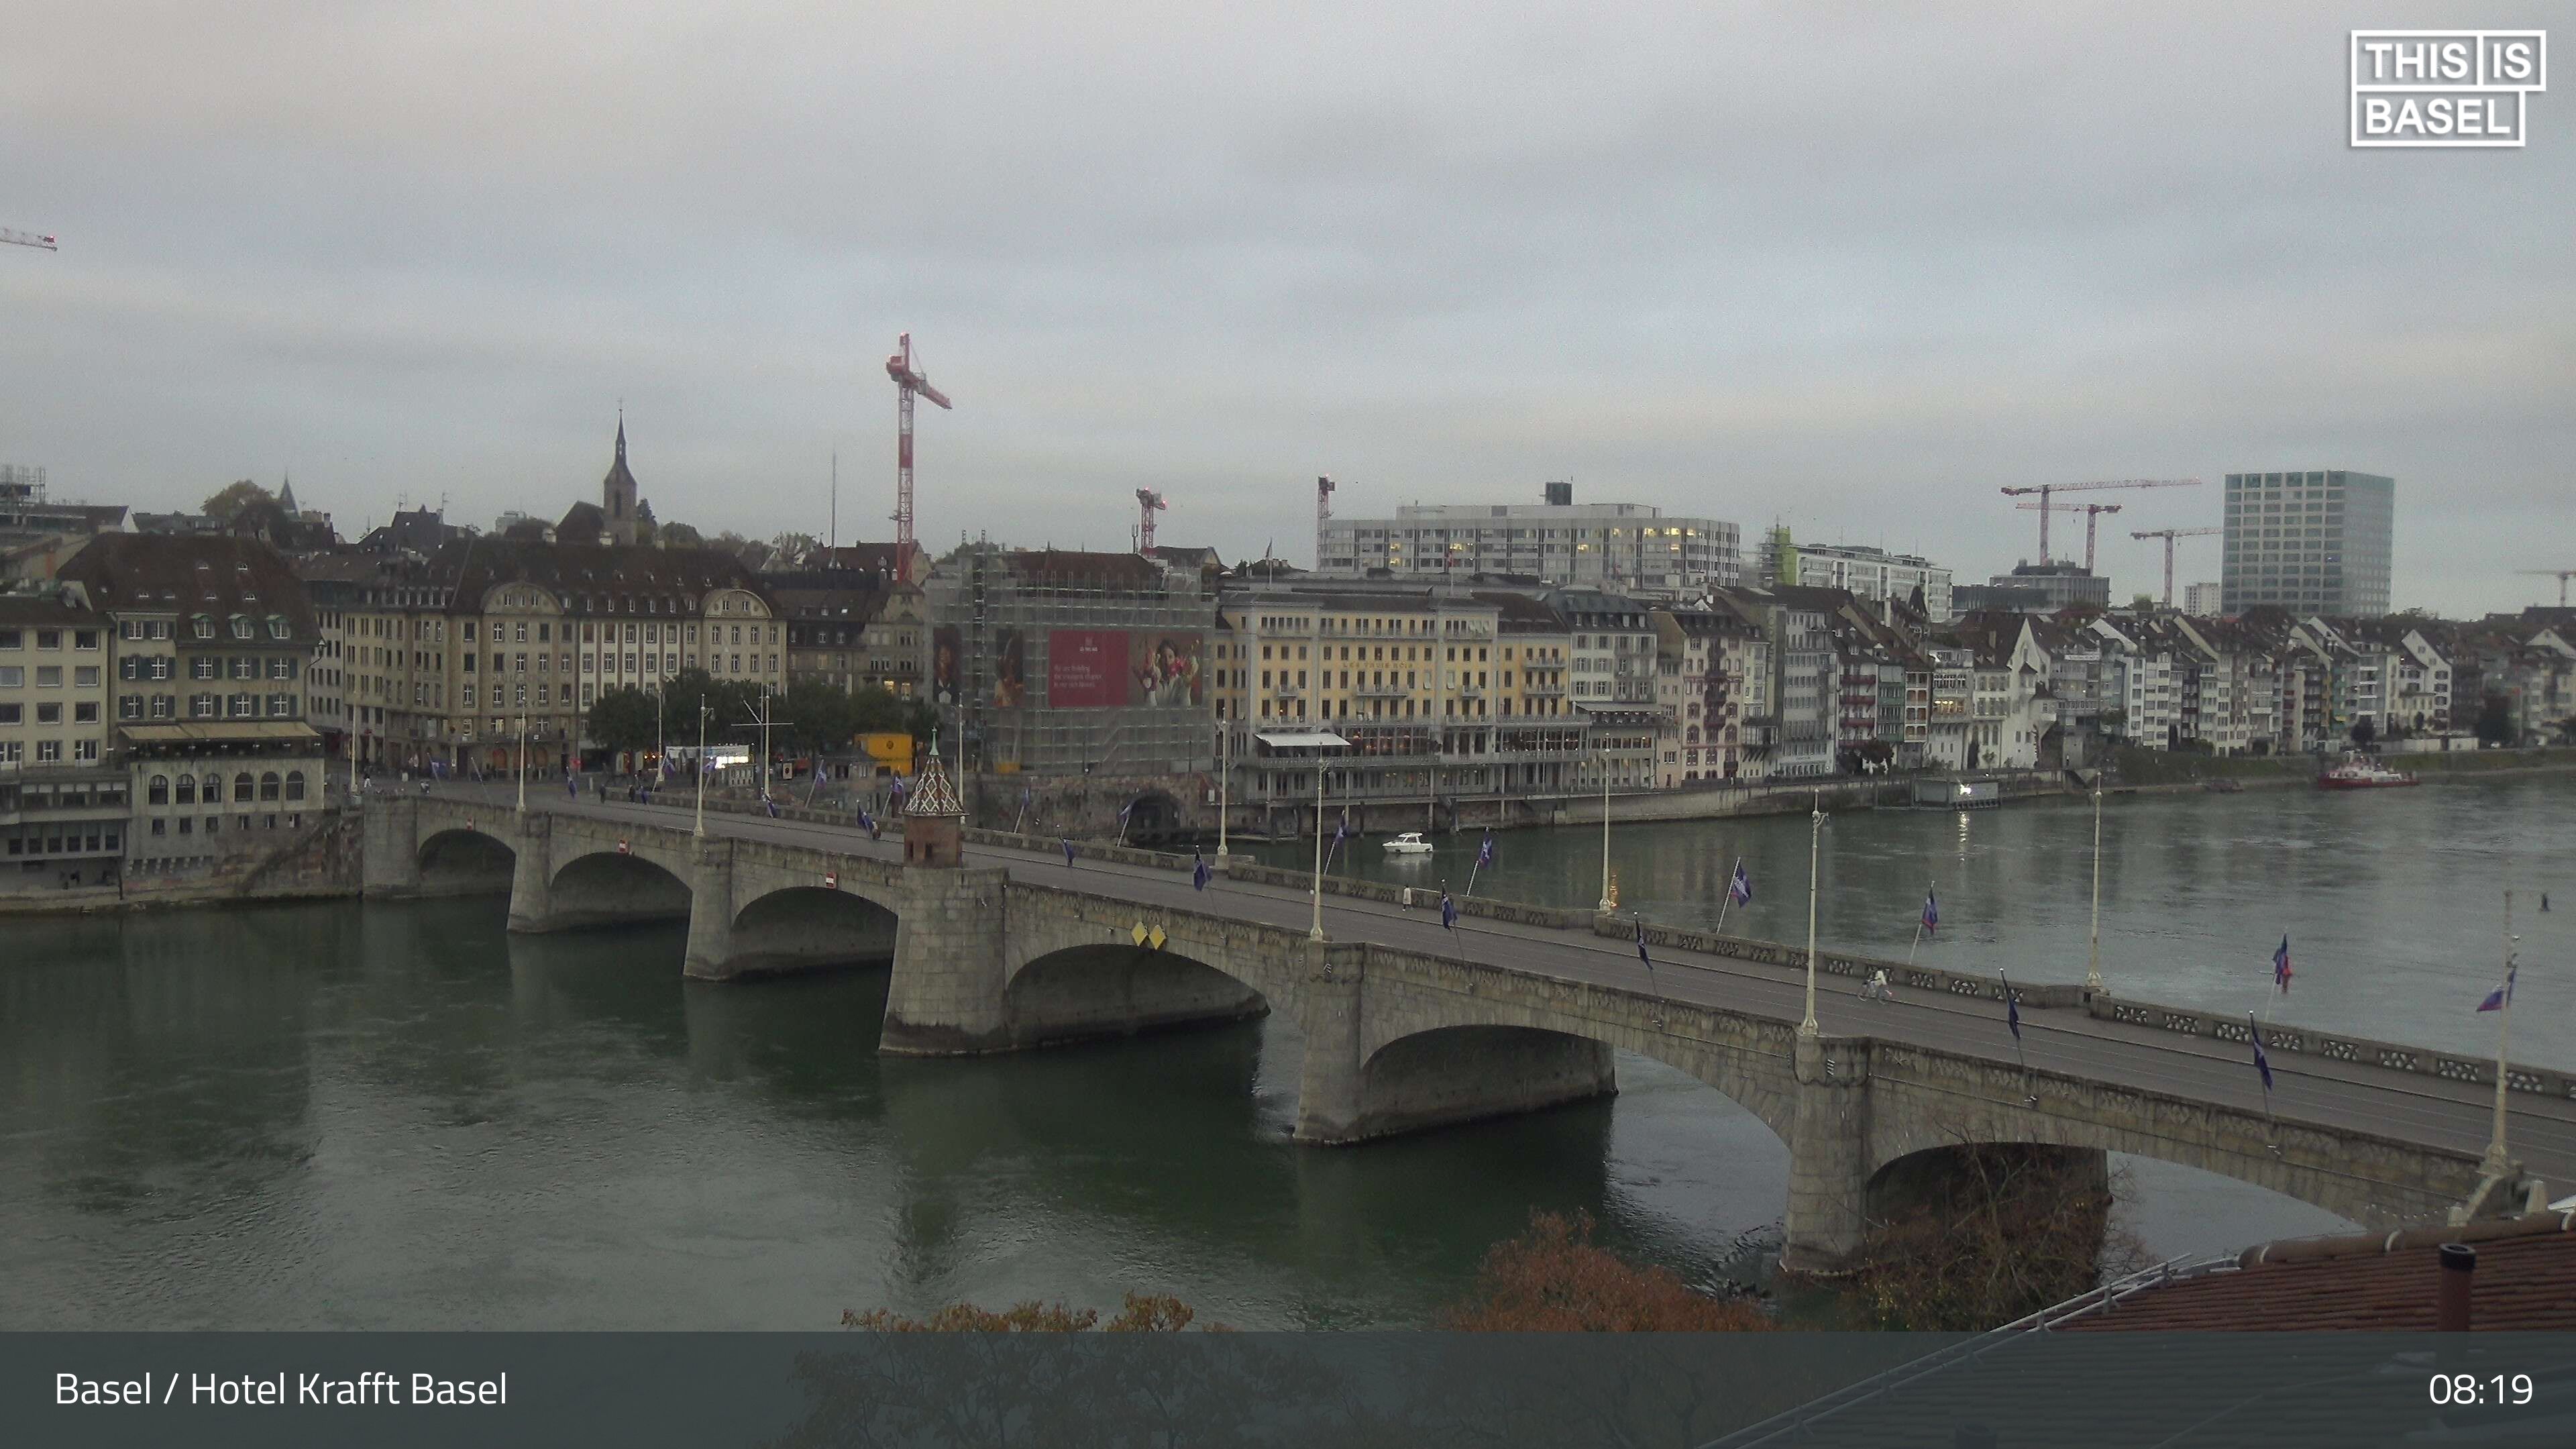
(621, 432)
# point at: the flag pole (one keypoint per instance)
(1918, 926)
(2271, 1124)
(2497, 1164)
(2012, 1019)
(1728, 897)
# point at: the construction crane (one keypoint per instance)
(2045, 489)
(2561, 575)
(907, 381)
(27, 239)
(2092, 518)
(2169, 535)
(1148, 503)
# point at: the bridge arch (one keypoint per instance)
(612, 888)
(1106, 989)
(465, 861)
(809, 926)
(2371, 1184)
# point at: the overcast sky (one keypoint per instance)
(1796, 262)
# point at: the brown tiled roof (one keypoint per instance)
(2525, 1280)
(1070, 568)
(44, 610)
(191, 574)
(590, 578)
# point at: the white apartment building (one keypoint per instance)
(1869, 573)
(1622, 547)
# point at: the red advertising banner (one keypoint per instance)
(1086, 668)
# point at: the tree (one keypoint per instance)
(791, 548)
(645, 527)
(2495, 720)
(730, 702)
(625, 721)
(1967, 1237)
(2364, 731)
(233, 497)
(1555, 1279)
(678, 535)
(823, 716)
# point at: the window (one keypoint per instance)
(187, 789)
(12, 714)
(49, 676)
(271, 785)
(202, 626)
(48, 751)
(85, 750)
(87, 676)
(295, 784)
(49, 714)
(86, 711)
(158, 792)
(242, 787)
(160, 666)
(241, 626)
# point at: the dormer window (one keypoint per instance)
(202, 626)
(277, 627)
(241, 626)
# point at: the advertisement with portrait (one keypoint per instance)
(945, 664)
(1167, 670)
(1010, 671)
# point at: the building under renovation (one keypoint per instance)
(1052, 662)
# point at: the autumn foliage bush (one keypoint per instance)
(1554, 1279)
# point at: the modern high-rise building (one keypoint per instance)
(2203, 601)
(1623, 547)
(2308, 543)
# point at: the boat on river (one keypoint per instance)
(1409, 843)
(2361, 772)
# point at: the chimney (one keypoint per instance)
(2451, 1299)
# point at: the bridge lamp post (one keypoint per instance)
(1815, 841)
(1607, 905)
(1224, 777)
(2093, 968)
(1323, 740)
(523, 764)
(700, 828)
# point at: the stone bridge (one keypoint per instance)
(1398, 1038)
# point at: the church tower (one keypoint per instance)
(617, 492)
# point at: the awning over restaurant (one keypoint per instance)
(1303, 740)
(220, 732)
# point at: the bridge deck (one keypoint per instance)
(2358, 1097)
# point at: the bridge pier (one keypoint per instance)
(711, 909)
(532, 877)
(1329, 1082)
(391, 846)
(1829, 1167)
(946, 996)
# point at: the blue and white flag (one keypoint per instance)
(2281, 965)
(867, 822)
(1025, 797)
(1931, 912)
(1125, 811)
(2012, 1012)
(1067, 842)
(772, 804)
(1448, 912)
(1485, 852)
(2262, 1063)
(1641, 944)
(900, 788)
(1740, 888)
(2497, 998)
(1199, 872)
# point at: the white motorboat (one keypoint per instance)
(1409, 843)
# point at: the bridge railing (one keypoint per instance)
(2335, 1046)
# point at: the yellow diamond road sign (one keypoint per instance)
(1139, 933)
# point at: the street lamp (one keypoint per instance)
(1320, 741)
(1224, 774)
(1815, 839)
(700, 829)
(2093, 969)
(523, 764)
(1607, 904)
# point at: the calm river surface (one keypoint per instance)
(382, 1116)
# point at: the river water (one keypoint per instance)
(383, 1116)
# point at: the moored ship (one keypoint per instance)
(2360, 772)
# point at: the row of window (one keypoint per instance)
(50, 639)
(48, 752)
(50, 676)
(186, 789)
(83, 712)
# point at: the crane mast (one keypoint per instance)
(907, 382)
(2169, 535)
(18, 238)
(1148, 504)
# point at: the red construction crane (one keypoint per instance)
(2561, 575)
(27, 239)
(907, 381)
(2092, 518)
(2169, 535)
(2045, 489)
(1148, 503)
